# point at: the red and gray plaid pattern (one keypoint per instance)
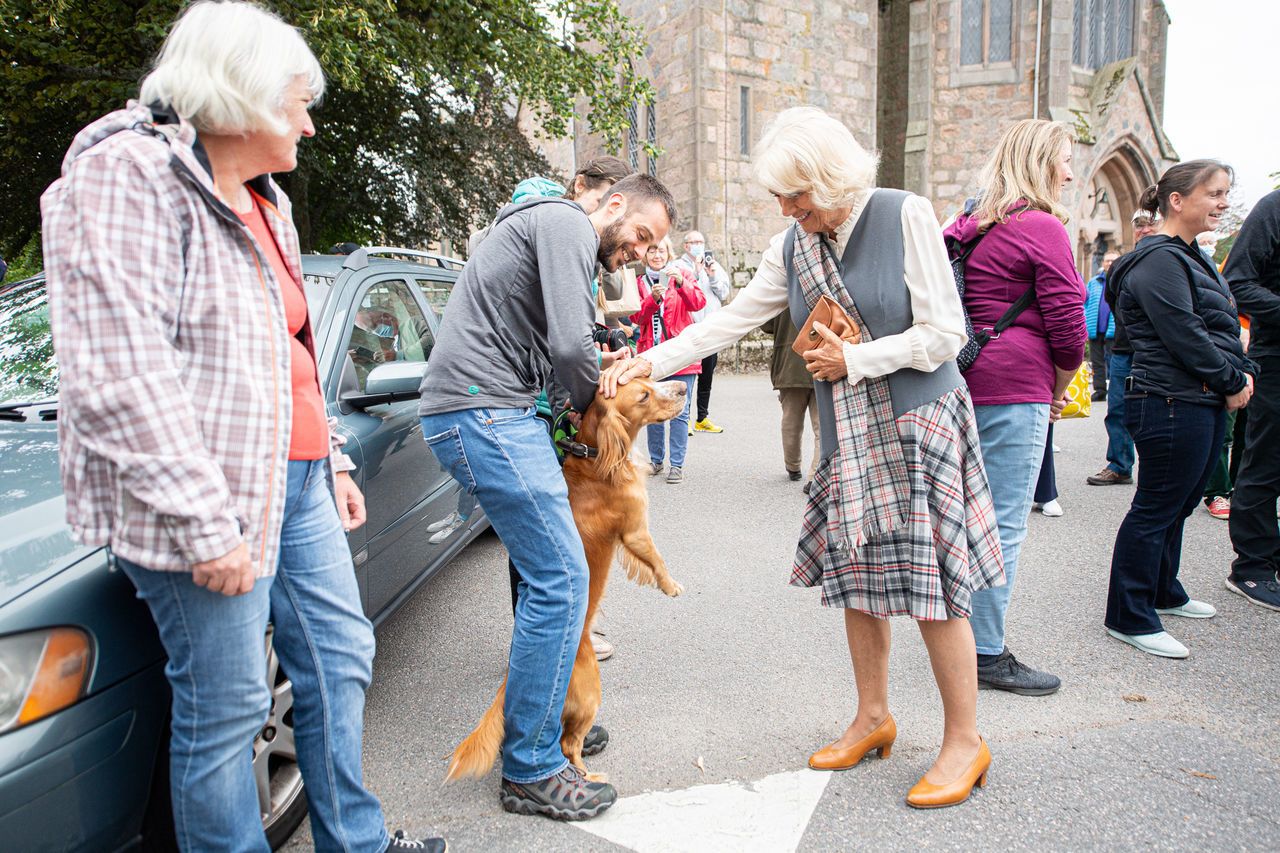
(950, 547)
(174, 411)
(866, 495)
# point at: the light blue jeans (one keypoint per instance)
(1012, 437)
(217, 671)
(678, 426)
(502, 456)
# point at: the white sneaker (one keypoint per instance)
(1159, 644)
(1192, 610)
(449, 520)
(1052, 509)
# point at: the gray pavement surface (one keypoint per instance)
(745, 676)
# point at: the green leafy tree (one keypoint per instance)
(416, 137)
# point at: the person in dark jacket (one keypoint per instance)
(1188, 366)
(1253, 269)
(794, 385)
(1119, 470)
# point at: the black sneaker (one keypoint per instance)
(794, 476)
(595, 741)
(565, 796)
(1007, 673)
(1262, 593)
(430, 845)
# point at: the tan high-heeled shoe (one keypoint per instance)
(833, 757)
(926, 795)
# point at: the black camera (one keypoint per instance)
(707, 257)
(614, 339)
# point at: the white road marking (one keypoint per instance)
(768, 816)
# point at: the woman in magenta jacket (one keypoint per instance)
(1020, 378)
(669, 295)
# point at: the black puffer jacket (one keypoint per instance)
(1182, 323)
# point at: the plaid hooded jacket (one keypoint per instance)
(174, 405)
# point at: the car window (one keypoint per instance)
(316, 288)
(28, 367)
(389, 326)
(436, 293)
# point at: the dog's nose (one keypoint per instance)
(671, 390)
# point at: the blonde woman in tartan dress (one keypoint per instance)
(899, 521)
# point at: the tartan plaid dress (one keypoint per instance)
(899, 520)
(950, 546)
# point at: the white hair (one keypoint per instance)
(805, 150)
(225, 67)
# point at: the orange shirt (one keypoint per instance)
(309, 438)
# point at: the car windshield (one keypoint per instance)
(28, 366)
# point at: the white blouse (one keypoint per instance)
(936, 336)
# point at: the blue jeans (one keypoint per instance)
(1012, 437)
(503, 457)
(1119, 442)
(1178, 444)
(679, 426)
(217, 671)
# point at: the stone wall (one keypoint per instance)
(786, 52)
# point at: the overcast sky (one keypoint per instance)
(1222, 98)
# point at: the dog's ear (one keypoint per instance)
(613, 435)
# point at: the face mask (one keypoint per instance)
(384, 330)
(651, 271)
(698, 250)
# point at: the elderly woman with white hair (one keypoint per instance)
(192, 431)
(899, 520)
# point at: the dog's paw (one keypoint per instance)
(597, 777)
(673, 588)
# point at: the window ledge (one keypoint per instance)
(977, 75)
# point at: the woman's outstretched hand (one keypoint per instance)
(622, 372)
(827, 361)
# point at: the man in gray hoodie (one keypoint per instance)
(523, 310)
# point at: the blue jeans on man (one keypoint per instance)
(1012, 438)
(1178, 443)
(217, 671)
(503, 457)
(1120, 453)
(678, 428)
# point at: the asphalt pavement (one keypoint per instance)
(715, 699)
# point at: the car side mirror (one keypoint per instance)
(388, 383)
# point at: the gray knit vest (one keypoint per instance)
(873, 273)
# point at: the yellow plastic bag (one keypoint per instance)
(1080, 393)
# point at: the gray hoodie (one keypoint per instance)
(521, 310)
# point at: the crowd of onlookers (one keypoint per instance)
(936, 359)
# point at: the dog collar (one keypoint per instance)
(577, 448)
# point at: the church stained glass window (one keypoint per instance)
(986, 32)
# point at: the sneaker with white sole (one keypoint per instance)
(1159, 643)
(1220, 508)
(1191, 610)
(444, 533)
(675, 475)
(450, 520)
(1052, 509)
(1262, 593)
(655, 468)
(568, 795)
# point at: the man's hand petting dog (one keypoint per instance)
(622, 372)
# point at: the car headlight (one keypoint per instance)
(41, 672)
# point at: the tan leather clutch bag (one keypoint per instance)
(829, 313)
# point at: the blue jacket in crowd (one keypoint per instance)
(1093, 303)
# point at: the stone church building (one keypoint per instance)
(929, 84)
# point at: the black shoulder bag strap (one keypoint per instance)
(1022, 303)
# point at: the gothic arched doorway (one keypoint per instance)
(1105, 220)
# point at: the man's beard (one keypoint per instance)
(611, 243)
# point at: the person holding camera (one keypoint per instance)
(669, 296)
(714, 284)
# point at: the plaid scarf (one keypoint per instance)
(870, 489)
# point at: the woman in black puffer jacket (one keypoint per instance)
(1188, 367)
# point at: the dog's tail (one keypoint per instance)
(475, 755)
